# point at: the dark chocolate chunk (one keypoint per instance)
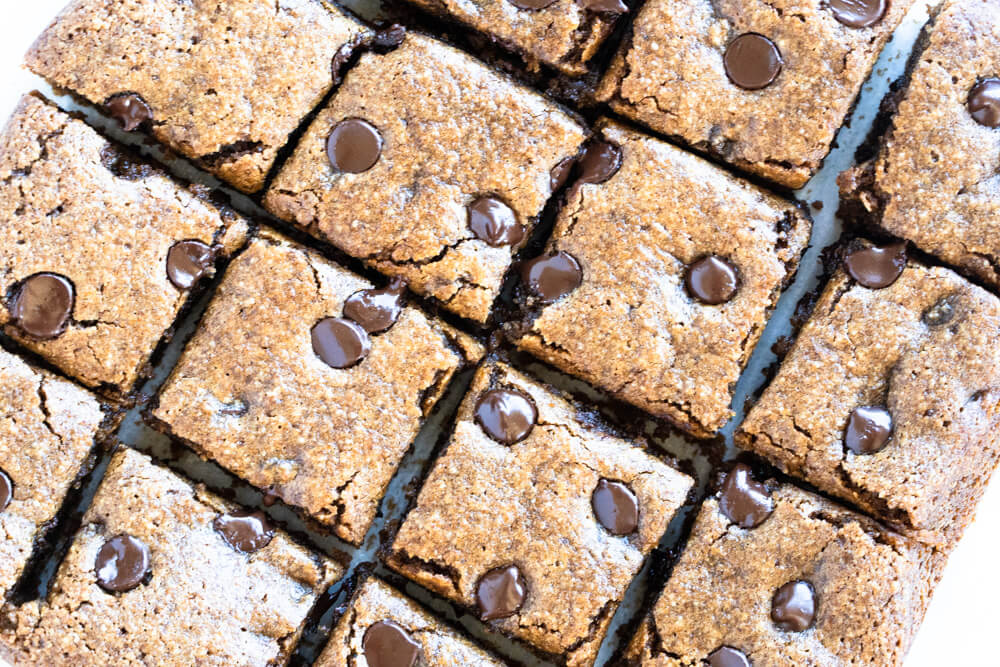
(728, 656)
(188, 262)
(130, 110)
(858, 13)
(793, 607)
(494, 222)
(551, 277)
(868, 429)
(984, 102)
(389, 37)
(605, 6)
(122, 563)
(876, 267)
(600, 161)
(500, 593)
(43, 305)
(6, 490)
(531, 4)
(615, 507)
(940, 313)
(745, 501)
(354, 146)
(387, 644)
(560, 173)
(752, 61)
(340, 343)
(244, 531)
(506, 415)
(712, 280)
(376, 310)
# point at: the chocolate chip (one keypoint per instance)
(354, 146)
(745, 501)
(940, 313)
(188, 262)
(387, 644)
(500, 593)
(868, 430)
(752, 61)
(6, 490)
(858, 13)
(43, 305)
(494, 222)
(125, 165)
(615, 507)
(340, 343)
(712, 280)
(130, 110)
(793, 607)
(560, 173)
(531, 4)
(600, 161)
(376, 310)
(389, 37)
(553, 276)
(727, 656)
(506, 415)
(244, 531)
(984, 102)
(876, 267)
(122, 564)
(605, 6)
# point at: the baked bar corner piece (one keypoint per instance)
(798, 580)
(761, 86)
(162, 572)
(222, 82)
(535, 518)
(99, 250)
(890, 396)
(306, 381)
(659, 278)
(389, 629)
(430, 167)
(934, 178)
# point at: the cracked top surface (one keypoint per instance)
(324, 440)
(440, 646)
(453, 131)
(205, 602)
(936, 178)
(670, 76)
(871, 589)
(48, 427)
(227, 80)
(64, 211)
(939, 379)
(487, 505)
(634, 236)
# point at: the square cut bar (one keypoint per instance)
(99, 252)
(890, 400)
(430, 167)
(544, 535)
(867, 588)
(49, 428)
(385, 627)
(935, 175)
(252, 393)
(222, 82)
(633, 326)
(762, 85)
(195, 581)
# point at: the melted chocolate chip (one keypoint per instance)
(354, 146)
(500, 593)
(727, 656)
(122, 564)
(712, 280)
(6, 490)
(600, 161)
(494, 222)
(244, 531)
(387, 644)
(793, 607)
(340, 343)
(752, 61)
(124, 165)
(389, 37)
(506, 415)
(868, 430)
(551, 277)
(745, 501)
(376, 310)
(531, 5)
(858, 13)
(43, 305)
(940, 313)
(615, 507)
(560, 173)
(188, 262)
(984, 102)
(130, 110)
(876, 267)
(605, 6)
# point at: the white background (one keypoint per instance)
(966, 609)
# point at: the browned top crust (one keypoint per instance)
(205, 602)
(453, 131)
(670, 76)
(227, 81)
